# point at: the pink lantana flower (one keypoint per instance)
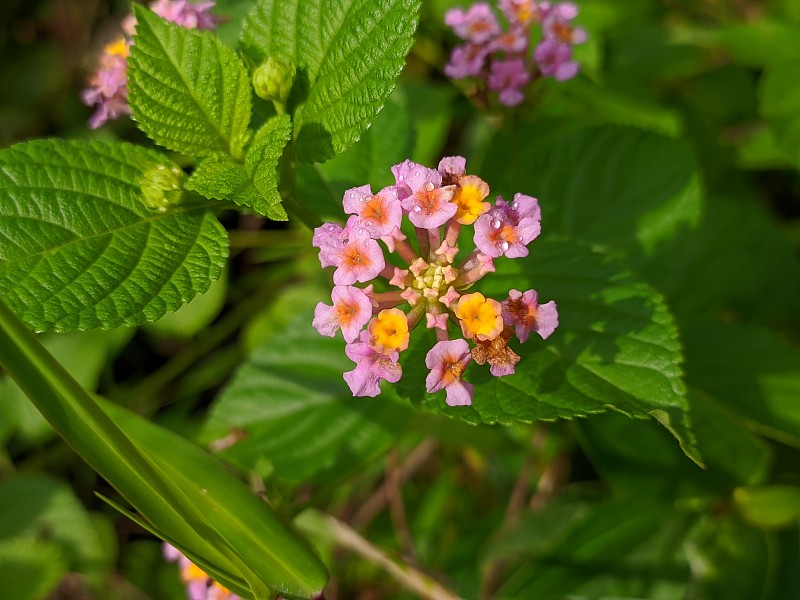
(467, 61)
(379, 214)
(199, 586)
(426, 282)
(108, 85)
(508, 77)
(508, 229)
(499, 58)
(555, 60)
(351, 310)
(478, 24)
(371, 367)
(428, 205)
(447, 361)
(359, 259)
(522, 312)
(191, 15)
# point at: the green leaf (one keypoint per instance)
(100, 234)
(84, 354)
(620, 187)
(689, 269)
(626, 548)
(30, 569)
(386, 142)
(253, 184)
(769, 506)
(751, 370)
(348, 55)
(779, 96)
(191, 319)
(733, 455)
(34, 505)
(616, 348)
(188, 90)
(185, 494)
(292, 409)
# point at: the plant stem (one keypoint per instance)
(418, 582)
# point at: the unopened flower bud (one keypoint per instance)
(273, 80)
(162, 187)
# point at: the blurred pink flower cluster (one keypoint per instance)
(199, 586)
(108, 85)
(501, 57)
(432, 283)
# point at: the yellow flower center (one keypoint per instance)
(480, 317)
(389, 330)
(118, 47)
(469, 197)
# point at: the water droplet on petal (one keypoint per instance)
(417, 174)
(496, 224)
(515, 205)
(428, 187)
(364, 199)
(503, 245)
(360, 231)
(417, 209)
(352, 195)
(401, 178)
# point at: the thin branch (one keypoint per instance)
(416, 581)
(397, 510)
(376, 503)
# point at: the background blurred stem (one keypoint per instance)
(409, 577)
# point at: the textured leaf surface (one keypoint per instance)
(296, 411)
(253, 184)
(385, 143)
(348, 54)
(83, 246)
(188, 91)
(616, 348)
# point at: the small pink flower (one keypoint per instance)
(452, 168)
(555, 60)
(514, 41)
(330, 239)
(380, 214)
(557, 24)
(523, 312)
(477, 25)
(467, 61)
(447, 361)
(508, 229)
(428, 204)
(371, 367)
(351, 310)
(187, 14)
(108, 87)
(359, 259)
(508, 77)
(520, 12)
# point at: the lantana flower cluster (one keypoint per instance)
(199, 586)
(108, 85)
(432, 283)
(500, 56)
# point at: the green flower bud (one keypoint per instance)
(162, 187)
(273, 80)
